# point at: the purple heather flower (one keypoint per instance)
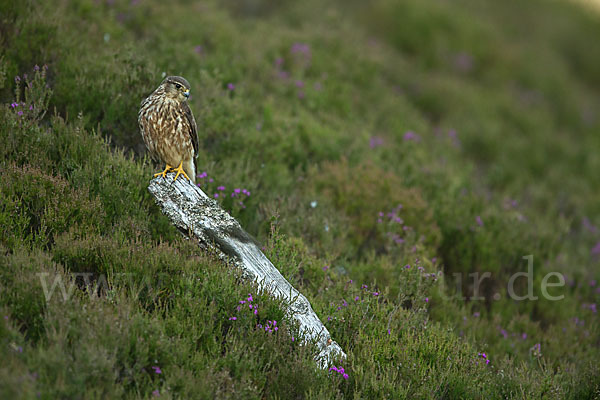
(476, 314)
(484, 356)
(237, 190)
(156, 393)
(216, 195)
(524, 336)
(376, 141)
(426, 299)
(463, 62)
(230, 86)
(537, 349)
(478, 220)
(588, 225)
(221, 188)
(299, 84)
(211, 180)
(356, 298)
(157, 369)
(363, 286)
(301, 94)
(232, 318)
(20, 113)
(199, 49)
(407, 266)
(301, 48)
(250, 298)
(375, 293)
(14, 105)
(340, 371)
(454, 138)
(596, 249)
(17, 78)
(410, 135)
(278, 61)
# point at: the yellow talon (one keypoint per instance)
(180, 171)
(164, 173)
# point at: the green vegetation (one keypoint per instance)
(388, 149)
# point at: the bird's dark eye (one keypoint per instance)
(178, 86)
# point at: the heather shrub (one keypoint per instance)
(383, 213)
(37, 201)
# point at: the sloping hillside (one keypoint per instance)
(401, 161)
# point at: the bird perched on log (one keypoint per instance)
(169, 128)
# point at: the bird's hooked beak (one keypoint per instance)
(186, 93)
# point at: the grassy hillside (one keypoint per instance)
(392, 154)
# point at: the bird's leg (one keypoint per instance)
(164, 173)
(180, 171)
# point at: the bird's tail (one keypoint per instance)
(190, 169)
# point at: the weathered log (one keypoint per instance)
(202, 219)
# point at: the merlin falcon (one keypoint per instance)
(169, 129)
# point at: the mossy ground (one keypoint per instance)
(387, 151)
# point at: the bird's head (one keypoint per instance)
(176, 87)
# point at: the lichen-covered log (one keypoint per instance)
(201, 218)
